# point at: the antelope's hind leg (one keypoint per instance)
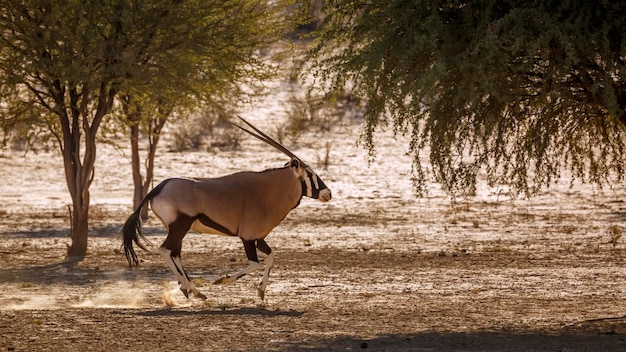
(176, 266)
(170, 251)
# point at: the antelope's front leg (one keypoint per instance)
(250, 248)
(269, 263)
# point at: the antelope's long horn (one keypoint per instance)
(267, 139)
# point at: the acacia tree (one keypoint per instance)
(524, 91)
(224, 68)
(61, 69)
(63, 63)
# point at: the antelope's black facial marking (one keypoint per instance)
(312, 185)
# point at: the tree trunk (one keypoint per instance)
(79, 175)
(80, 125)
(79, 231)
(138, 192)
(141, 186)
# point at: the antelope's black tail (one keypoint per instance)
(131, 232)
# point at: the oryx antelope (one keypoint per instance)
(245, 204)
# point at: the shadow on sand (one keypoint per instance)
(104, 231)
(608, 334)
(244, 311)
(567, 340)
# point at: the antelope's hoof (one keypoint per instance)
(224, 280)
(185, 292)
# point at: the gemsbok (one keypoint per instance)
(244, 204)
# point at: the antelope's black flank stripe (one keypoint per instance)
(208, 222)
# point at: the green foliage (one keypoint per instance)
(167, 53)
(206, 52)
(525, 91)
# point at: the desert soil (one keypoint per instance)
(374, 269)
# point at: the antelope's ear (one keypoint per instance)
(295, 163)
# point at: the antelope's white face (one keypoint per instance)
(312, 185)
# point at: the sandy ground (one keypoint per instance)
(374, 269)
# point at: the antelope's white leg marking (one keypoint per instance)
(169, 261)
(269, 263)
(254, 266)
(176, 266)
(186, 283)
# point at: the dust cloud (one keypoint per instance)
(122, 295)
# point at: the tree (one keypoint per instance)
(62, 71)
(221, 69)
(524, 91)
(63, 63)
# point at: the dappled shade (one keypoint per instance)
(527, 92)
